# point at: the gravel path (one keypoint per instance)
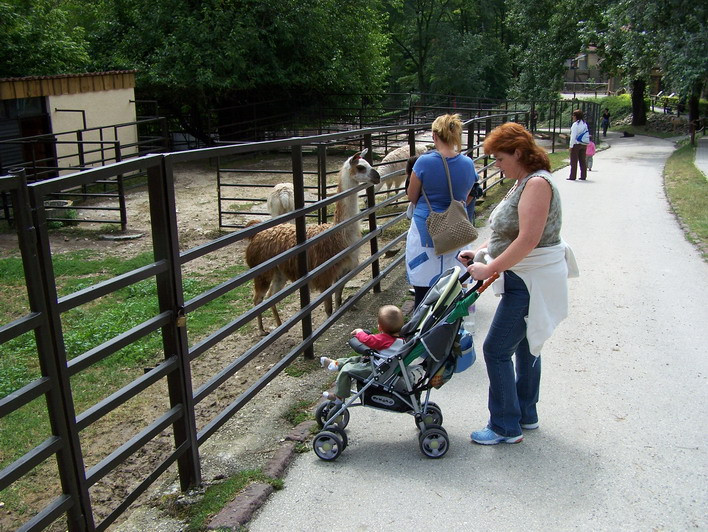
(623, 401)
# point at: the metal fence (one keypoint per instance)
(49, 156)
(171, 317)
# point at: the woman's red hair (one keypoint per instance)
(510, 137)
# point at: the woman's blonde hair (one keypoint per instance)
(510, 137)
(448, 128)
(390, 319)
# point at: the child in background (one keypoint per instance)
(390, 321)
(589, 152)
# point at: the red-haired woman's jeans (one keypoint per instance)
(513, 386)
(577, 155)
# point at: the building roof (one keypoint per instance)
(37, 86)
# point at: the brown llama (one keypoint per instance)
(276, 240)
(396, 160)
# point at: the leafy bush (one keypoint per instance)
(672, 102)
(619, 106)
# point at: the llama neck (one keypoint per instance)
(347, 208)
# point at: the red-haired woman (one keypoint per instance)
(525, 248)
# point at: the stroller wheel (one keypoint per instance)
(434, 442)
(327, 445)
(432, 415)
(340, 432)
(323, 412)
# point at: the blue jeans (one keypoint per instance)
(513, 389)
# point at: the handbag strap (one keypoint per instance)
(449, 184)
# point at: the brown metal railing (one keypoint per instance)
(171, 317)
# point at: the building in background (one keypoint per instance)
(55, 124)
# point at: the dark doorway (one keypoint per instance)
(27, 119)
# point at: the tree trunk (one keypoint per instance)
(694, 117)
(694, 98)
(639, 108)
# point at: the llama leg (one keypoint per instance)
(328, 305)
(338, 297)
(260, 287)
(276, 285)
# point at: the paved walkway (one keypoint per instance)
(624, 402)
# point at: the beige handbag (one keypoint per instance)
(451, 229)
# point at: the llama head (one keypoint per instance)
(357, 170)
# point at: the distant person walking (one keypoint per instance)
(605, 121)
(579, 139)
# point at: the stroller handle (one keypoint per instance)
(480, 286)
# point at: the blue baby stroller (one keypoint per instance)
(402, 382)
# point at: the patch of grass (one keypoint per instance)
(299, 412)
(302, 447)
(619, 106)
(217, 496)
(559, 159)
(90, 325)
(302, 366)
(687, 190)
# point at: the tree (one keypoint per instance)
(196, 55)
(447, 47)
(541, 36)
(680, 27)
(415, 27)
(36, 39)
(635, 36)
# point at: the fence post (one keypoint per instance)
(301, 236)
(370, 202)
(165, 241)
(43, 298)
(554, 107)
(321, 181)
(80, 153)
(165, 134)
(121, 191)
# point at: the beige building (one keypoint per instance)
(67, 121)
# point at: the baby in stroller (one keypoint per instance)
(433, 345)
(387, 342)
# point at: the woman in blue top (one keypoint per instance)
(423, 266)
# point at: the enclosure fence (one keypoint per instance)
(179, 421)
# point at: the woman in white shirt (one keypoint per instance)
(579, 139)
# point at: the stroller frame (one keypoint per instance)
(430, 333)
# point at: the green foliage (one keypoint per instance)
(299, 412)
(37, 39)
(450, 47)
(635, 36)
(218, 495)
(543, 35)
(193, 58)
(620, 106)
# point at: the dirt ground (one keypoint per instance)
(254, 433)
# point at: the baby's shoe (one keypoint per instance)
(330, 396)
(330, 364)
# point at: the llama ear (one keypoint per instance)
(355, 156)
(364, 152)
